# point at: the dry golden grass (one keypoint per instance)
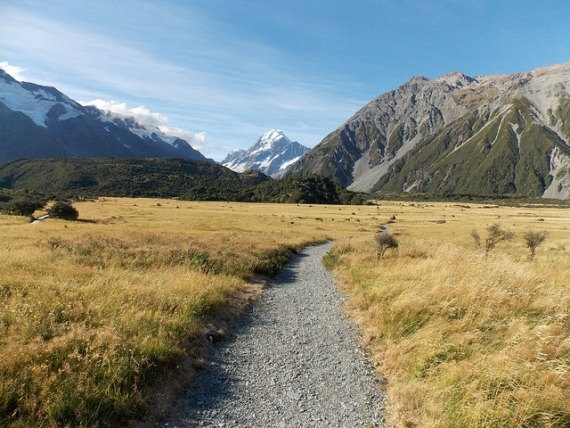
(466, 340)
(94, 311)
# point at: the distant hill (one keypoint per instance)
(272, 154)
(164, 178)
(456, 135)
(41, 122)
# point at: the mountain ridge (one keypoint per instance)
(40, 121)
(162, 178)
(394, 143)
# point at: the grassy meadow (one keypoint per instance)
(464, 339)
(97, 313)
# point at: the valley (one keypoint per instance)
(120, 302)
(284, 214)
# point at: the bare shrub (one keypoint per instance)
(495, 235)
(384, 241)
(533, 240)
(476, 238)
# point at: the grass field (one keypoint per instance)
(96, 312)
(464, 339)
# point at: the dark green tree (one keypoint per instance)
(23, 206)
(63, 210)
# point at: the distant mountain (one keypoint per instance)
(272, 154)
(456, 135)
(41, 122)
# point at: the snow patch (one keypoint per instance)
(33, 103)
(13, 70)
(515, 127)
(287, 164)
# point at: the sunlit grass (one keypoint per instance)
(95, 312)
(464, 339)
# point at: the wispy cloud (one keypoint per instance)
(203, 82)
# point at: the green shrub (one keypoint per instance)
(23, 206)
(63, 210)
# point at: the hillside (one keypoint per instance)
(456, 135)
(164, 178)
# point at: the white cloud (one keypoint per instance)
(13, 70)
(149, 120)
(235, 88)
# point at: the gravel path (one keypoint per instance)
(294, 361)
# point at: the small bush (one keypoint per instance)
(272, 262)
(23, 206)
(384, 241)
(495, 235)
(63, 210)
(533, 240)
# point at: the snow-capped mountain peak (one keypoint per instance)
(43, 122)
(271, 137)
(270, 140)
(39, 103)
(272, 154)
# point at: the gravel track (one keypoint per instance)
(294, 361)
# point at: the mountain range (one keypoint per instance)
(456, 135)
(41, 122)
(272, 154)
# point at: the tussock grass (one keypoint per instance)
(465, 340)
(96, 313)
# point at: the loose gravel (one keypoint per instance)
(294, 361)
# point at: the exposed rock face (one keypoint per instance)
(490, 135)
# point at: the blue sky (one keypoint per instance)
(222, 72)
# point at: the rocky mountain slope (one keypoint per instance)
(272, 154)
(489, 135)
(41, 122)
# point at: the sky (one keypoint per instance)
(220, 73)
